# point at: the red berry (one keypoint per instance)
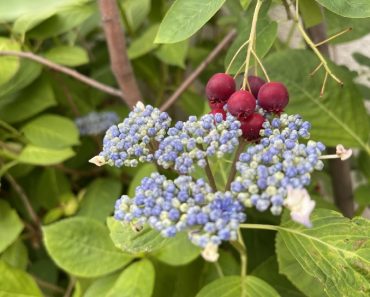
(241, 104)
(252, 126)
(255, 83)
(221, 111)
(273, 97)
(219, 88)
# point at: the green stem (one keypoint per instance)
(251, 39)
(240, 247)
(234, 57)
(261, 226)
(210, 177)
(241, 147)
(219, 269)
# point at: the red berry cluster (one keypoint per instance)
(271, 96)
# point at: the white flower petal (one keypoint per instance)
(210, 253)
(343, 153)
(300, 205)
(98, 161)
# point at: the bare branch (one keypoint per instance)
(120, 62)
(190, 79)
(68, 71)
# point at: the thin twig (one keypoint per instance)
(252, 38)
(26, 201)
(210, 177)
(190, 79)
(235, 55)
(48, 286)
(116, 41)
(70, 287)
(261, 65)
(68, 71)
(333, 37)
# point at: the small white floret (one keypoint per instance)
(98, 161)
(343, 153)
(300, 205)
(210, 253)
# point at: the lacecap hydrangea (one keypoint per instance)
(95, 123)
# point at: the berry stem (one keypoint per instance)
(333, 37)
(316, 69)
(235, 55)
(261, 65)
(314, 46)
(241, 147)
(252, 38)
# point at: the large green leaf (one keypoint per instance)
(136, 11)
(339, 116)
(51, 131)
(348, 8)
(43, 156)
(136, 280)
(98, 202)
(144, 43)
(27, 103)
(16, 283)
(82, 247)
(230, 286)
(9, 65)
(10, 225)
(68, 55)
(178, 251)
(16, 255)
(269, 272)
(133, 242)
(266, 35)
(185, 18)
(28, 71)
(102, 285)
(173, 54)
(330, 259)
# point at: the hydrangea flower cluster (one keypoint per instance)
(95, 123)
(133, 140)
(190, 143)
(183, 204)
(278, 162)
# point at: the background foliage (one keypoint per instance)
(56, 236)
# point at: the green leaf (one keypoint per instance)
(43, 156)
(136, 11)
(16, 255)
(230, 286)
(269, 272)
(185, 18)
(27, 103)
(364, 164)
(137, 243)
(178, 251)
(9, 65)
(102, 285)
(28, 71)
(348, 8)
(266, 35)
(311, 12)
(144, 170)
(29, 20)
(336, 23)
(245, 3)
(362, 59)
(362, 195)
(136, 280)
(17, 283)
(330, 259)
(68, 55)
(335, 123)
(10, 225)
(51, 131)
(144, 43)
(58, 186)
(98, 201)
(82, 247)
(173, 54)
(186, 102)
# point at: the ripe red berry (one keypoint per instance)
(252, 126)
(221, 111)
(255, 83)
(241, 104)
(273, 97)
(219, 88)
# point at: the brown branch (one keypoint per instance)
(68, 71)
(47, 285)
(25, 200)
(340, 171)
(120, 63)
(190, 79)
